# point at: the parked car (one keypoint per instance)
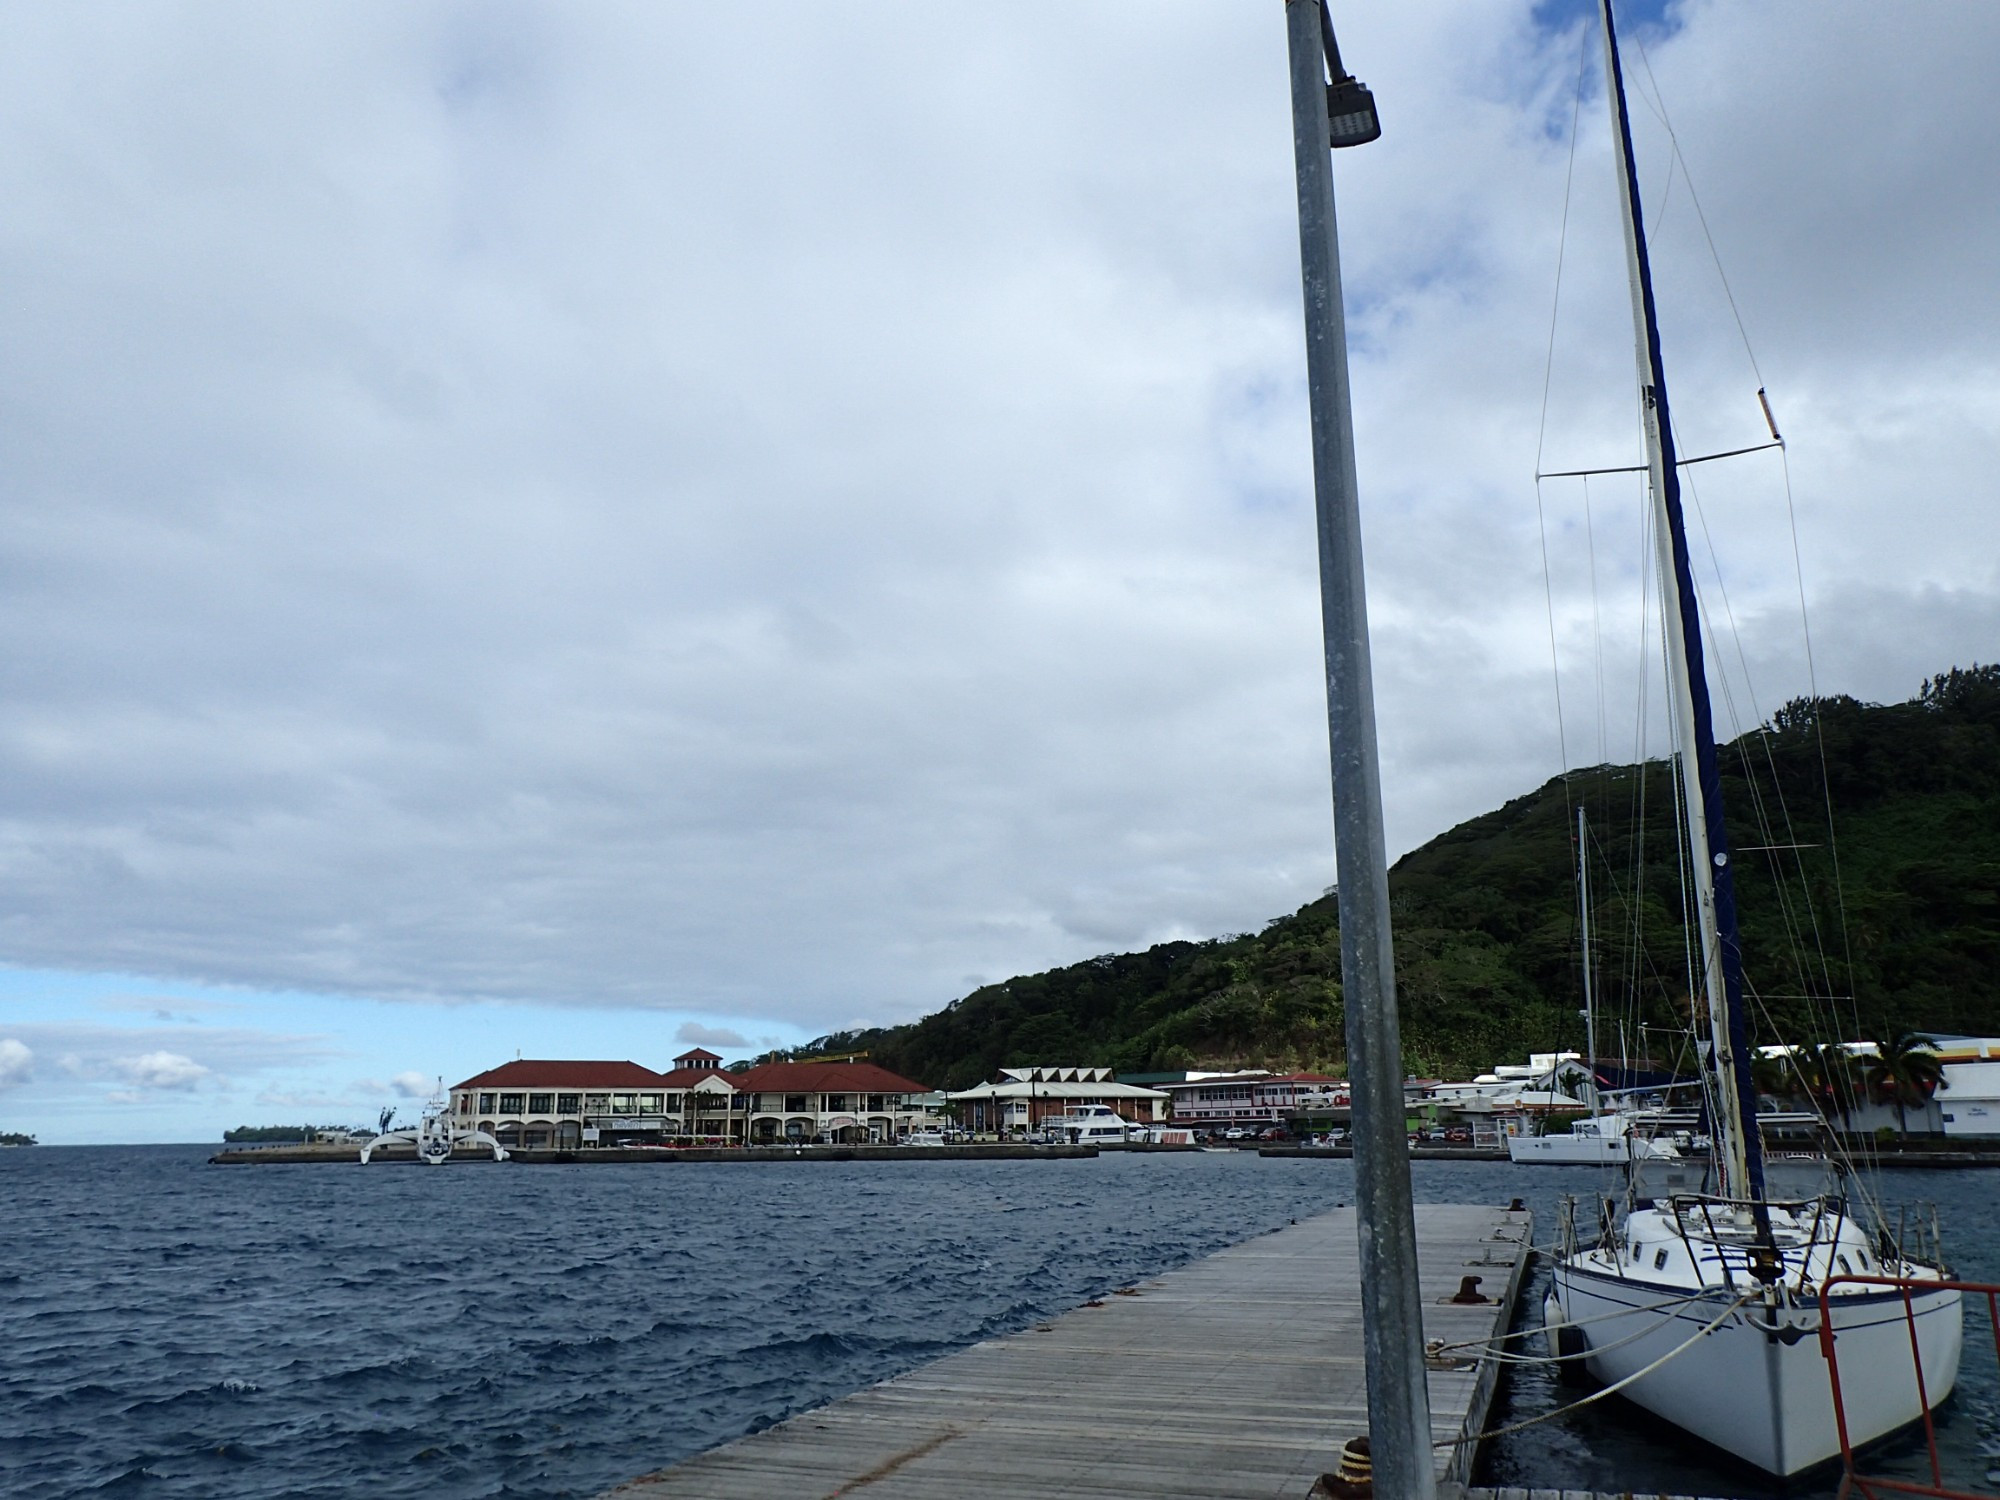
(1459, 1135)
(1234, 1133)
(1273, 1133)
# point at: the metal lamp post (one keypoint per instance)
(1324, 116)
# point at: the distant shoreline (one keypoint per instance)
(607, 1156)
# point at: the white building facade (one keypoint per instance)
(1020, 1099)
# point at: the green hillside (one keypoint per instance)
(1486, 928)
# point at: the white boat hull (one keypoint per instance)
(1584, 1150)
(1758, 1386)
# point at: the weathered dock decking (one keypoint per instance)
(1239, 1375)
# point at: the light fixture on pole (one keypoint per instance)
(1351, 119)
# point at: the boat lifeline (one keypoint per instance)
(1710, 1304)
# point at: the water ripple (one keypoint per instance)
(179, 1330)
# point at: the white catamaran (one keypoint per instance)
(1710, 1305)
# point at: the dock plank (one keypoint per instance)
(1239, 1375)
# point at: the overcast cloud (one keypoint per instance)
(642, 506)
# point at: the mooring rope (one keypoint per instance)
(1610, 1390)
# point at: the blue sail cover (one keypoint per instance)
(1708, 773)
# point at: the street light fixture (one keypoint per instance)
(1350, 109)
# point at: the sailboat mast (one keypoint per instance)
(1740, 1153)
(1583, 909)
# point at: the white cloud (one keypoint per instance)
(709, 1036)
(17, 1062)
(161, 1070)
(302, 1098)
(92, 1050)
(541, 526)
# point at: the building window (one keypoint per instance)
(541, 1104)
(597, 1104)
(621, 1104)
(486, 1104)
(671, 1103)
(510, 1104)
(465, 1104)
(795, 1103)
(875, 1102)
(836, 1101)
(569, 1104)
(649, 1104)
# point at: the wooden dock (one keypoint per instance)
(1239, 1375)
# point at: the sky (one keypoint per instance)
(587, 530)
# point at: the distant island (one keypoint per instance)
(269, 1134)
(14, 1138)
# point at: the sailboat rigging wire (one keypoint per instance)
(1597, 649)
(1616, 1385)
(1803, 949)
(1562, 244)
(1819, 742)
(1658, 104)
(1548, 372)
(1706, 458)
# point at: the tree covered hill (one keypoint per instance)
(1867, 867)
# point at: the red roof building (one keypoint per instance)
(535, 1073)
(576, 1105)
(823, 1077)
(691, 1067)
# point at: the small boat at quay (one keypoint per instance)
(1615, 1139)
(435, 1136)
(1092, 1125)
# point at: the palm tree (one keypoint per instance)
(1830, 1079)
(1771, 1073)
(1903, 1072)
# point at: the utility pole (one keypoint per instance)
(1399, 1426)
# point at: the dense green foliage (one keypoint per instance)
(15, 1138)
(1867, 874)
(251, 1134)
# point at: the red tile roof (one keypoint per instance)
(530, 1073)
(700, 1052)
(830, 1078)
(687, 1078)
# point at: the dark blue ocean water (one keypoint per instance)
(173, 1329)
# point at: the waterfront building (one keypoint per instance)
(1968, 1097)
(842, 1102)
(535, 1102)
(1019, 1100)
(574, 1105)
(703, 1101)
(1256, 1098)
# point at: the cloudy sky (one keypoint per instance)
(576, 529)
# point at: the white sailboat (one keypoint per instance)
(1603, 1138)
(1711, 1305)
